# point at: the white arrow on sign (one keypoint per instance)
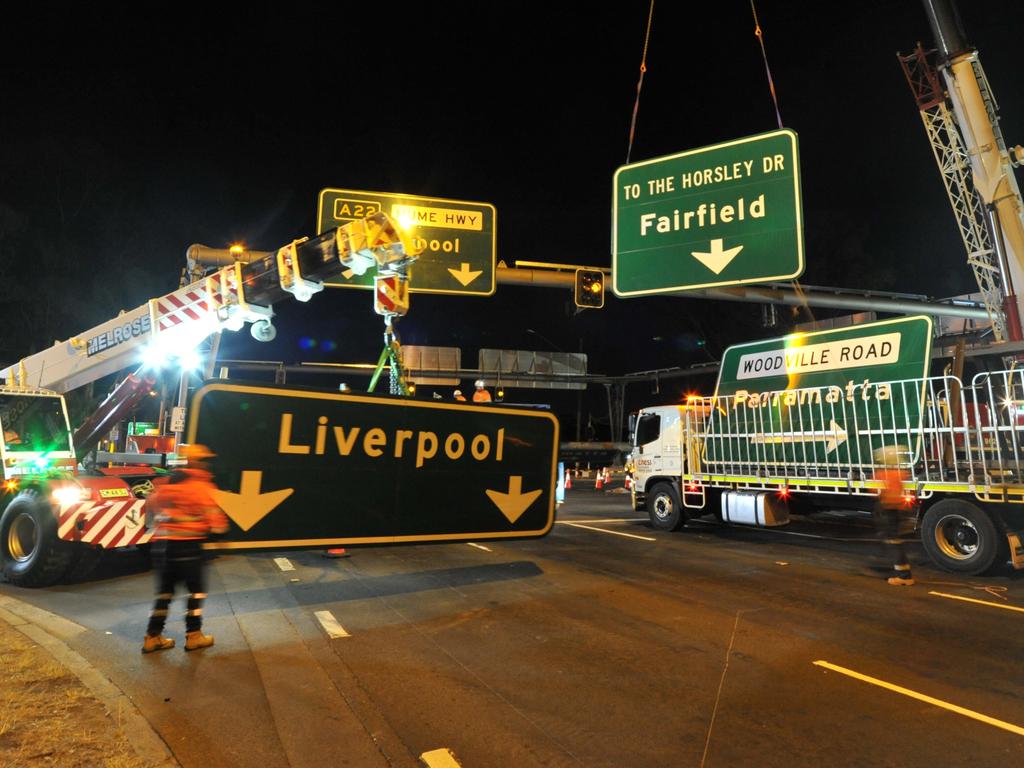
(515, 502)
(833, 437)
(464, 274)
(717, 258)
(249, 506)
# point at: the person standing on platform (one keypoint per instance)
(481, 395)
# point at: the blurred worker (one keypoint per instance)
(891, 510)
(184, 513)
(458, 395)
(481, 395)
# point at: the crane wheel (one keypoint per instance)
(31, 554)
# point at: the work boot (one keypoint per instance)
(901, 576)
(196, 640)
(902, 581)
(157, 643)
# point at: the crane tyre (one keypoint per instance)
(664, 508)
(960, 537)
(31, 554)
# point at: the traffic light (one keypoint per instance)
(589, 288)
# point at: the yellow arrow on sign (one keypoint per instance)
(515, 502)
(249, 506)
(464, 274)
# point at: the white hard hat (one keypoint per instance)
(458, 392)
(479, 384)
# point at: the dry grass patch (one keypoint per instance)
(48, 718)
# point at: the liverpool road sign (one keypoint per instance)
(828, 397)
(303, 468)
(458, 238)
(722, 215)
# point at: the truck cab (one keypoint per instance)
(658, 455)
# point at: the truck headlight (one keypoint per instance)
(67, 495)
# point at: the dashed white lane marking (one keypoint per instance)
(606, 520)
(979, 602)
(330, 624)
(922, 697)
(284, 563)
(440, 758)
(614, 533)
(479, 546)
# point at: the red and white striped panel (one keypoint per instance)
(186, 304)
(107, 524)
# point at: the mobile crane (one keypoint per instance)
(53, 510)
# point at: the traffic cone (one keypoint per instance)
(629, 483)
(607, 475)
(568, 479)
(598, 481)
(336, 552)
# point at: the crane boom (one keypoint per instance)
(236, 294)
(961, 118)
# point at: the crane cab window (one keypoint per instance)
(33, 423)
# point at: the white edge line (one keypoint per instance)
(979, 602)
(440, 758)
(922, 697)
(613, 533)
(479, 546)
(330, 624)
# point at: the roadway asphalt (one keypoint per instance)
(604, 644)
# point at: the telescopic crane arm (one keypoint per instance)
(235, 294)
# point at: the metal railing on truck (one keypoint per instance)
(947, 437)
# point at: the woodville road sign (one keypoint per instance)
(458, 238)
(828, 396)
(721, 215)
(302, 468)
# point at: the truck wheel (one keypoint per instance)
(960, 537)
(30, 552)
(664, 509)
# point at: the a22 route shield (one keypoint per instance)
(304, 468)
(819, 402)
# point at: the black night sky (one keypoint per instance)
(127, 135)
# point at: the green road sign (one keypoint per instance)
(301, 468)
(458, 238)
(721, 215)
(828, 397)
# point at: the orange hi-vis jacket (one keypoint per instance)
(891, 496)
(185, 508)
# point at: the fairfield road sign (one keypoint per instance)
(722, 215)
(302, 468)
(829, 397)
(458, 238)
